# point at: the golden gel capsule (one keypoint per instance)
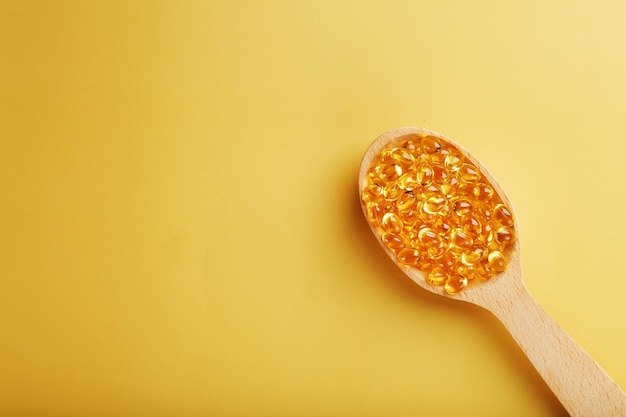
(437, 276)
(408, 257)
(431, 145)
(453, 162)
(435, 205)
(503, 215)
(455, 284)
(462, 206)
(505, 235)
(402, 157)
(497, 261)
(393, 242)
(425, 174)
(468, 173)
(391, 223)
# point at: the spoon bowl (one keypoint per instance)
(579, 383)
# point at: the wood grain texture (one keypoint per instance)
(580, 384)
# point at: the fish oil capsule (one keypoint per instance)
(443, 225)
(455, 284)
(450, 188)
(372, 193)
(465, 271)
(453, 162)
(425, 174)
(473, 255)
(409, 256)
(468, 173)
(494, 246)
(503, 215)
(375, 213)
(428, 237)
(392, 191)
(393, 242)
(435, 205)
(484, 270)
(436, 252)
(409, 218)
(486, 234)
(406, 202)
(388, 172)
(402, 157)
(462, 207)
(408, 181)
(505, 235)
(472, 226)
(412, 146)
(425, 264)
(431, 144)
(437, 276)
(440, 175)
(485, 192)
(460, 238)
(391, 223)
(497, 261)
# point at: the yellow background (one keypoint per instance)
(180, 232)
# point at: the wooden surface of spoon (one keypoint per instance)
(579, 383)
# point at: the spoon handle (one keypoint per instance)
(580, 384)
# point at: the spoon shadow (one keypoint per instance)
(407, 290)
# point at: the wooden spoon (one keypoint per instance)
(579, 383)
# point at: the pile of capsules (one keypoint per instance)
(435, 211)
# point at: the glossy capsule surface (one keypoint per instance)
(435, 211)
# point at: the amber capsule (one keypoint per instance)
(486, 234)
(455, 284)
(472, 226)
(402, 157)
(431, 144)
(391, 223)
(460, 238)
(435, 205)
(483, 211)
(408, 256)
(484, 270)
(468, 173)
(453, 162)
(494, 246)
(406, 202)
(393, 242)
(386, 172)
(462, 206)
(375, 213)
(392, 191)
(429, 237)
(437, 252)
(424, 174)
(429, 191)
(412, 146)
(437, 276)
(372, 193)
(450, 188)
(497, 261)
(425, 264)
(465, 271)
(505, 235)
(409, 218)
(440, 175)
(503, 215)
(473, 255)
(485, 191)
(408, 181)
